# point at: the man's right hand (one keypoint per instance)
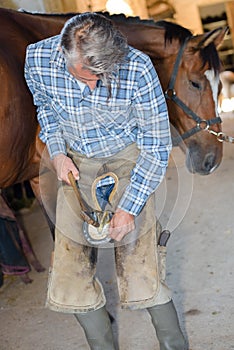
(63, 165)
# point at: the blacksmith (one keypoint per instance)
(104, 118)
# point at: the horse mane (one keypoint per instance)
(173, 31)
(209, 54)
(121, 18)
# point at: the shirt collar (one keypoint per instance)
(57, 57)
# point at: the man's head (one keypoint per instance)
(91, 40)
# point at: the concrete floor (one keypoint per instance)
(200, 264)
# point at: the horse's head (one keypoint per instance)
(188, 67)
(192, 94)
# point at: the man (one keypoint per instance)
(103, 117)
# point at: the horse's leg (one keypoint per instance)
(50, 198)
(29, 252)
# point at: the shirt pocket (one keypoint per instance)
(67, 118)
(118, 116)
(64, 104)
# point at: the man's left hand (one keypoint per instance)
(121, 224)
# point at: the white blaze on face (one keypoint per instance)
(214, 84)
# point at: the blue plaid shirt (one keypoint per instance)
(98, 125)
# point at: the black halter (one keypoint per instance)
(170, 94)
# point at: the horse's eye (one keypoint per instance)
(195, 85)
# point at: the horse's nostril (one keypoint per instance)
(209, 162)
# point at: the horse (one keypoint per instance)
(188, 67)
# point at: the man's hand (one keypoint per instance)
(63, 165)
(121, 224)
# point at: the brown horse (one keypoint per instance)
(187, 66)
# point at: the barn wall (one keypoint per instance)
(187, 13)
(30, 5)
(139, 7)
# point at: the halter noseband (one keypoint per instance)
(170, 94)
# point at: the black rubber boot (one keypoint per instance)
(166, 323)
(97, 328)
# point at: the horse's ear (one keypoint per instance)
(216, 36)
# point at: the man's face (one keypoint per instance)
(83, 75)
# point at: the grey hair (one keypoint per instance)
(92, 39)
